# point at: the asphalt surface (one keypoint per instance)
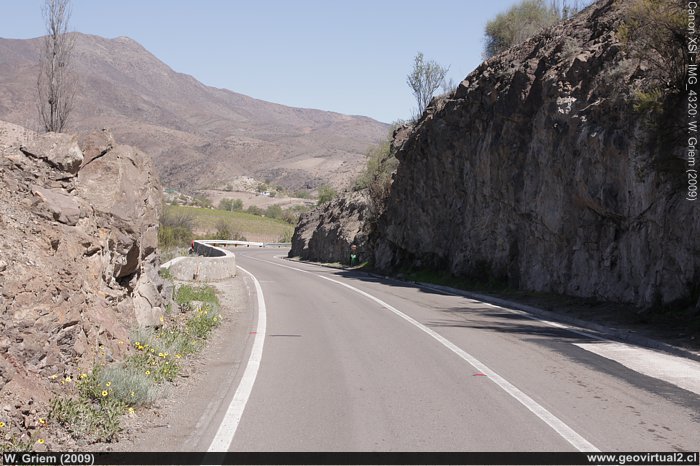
(381, 366)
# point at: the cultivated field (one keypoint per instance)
(253, 227)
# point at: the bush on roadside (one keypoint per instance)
(286, 237)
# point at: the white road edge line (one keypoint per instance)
(566, 432)
(229, 424)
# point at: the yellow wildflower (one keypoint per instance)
(131, 410)
(83, 376)
(161, 355)
(133, 394)
(68, 379)
(178, 356)
(40, 441)
(108, 384)
(42, 421)
(148, 372)
(2, 424)
(105, 393)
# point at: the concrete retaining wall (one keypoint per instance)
(211, 264)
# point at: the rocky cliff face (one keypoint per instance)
(539, 171)
(327, 232)
(78, 234)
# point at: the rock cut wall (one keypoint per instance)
(78, 238)
(538, 171)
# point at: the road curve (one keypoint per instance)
(354, 363)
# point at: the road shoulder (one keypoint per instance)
(187, 416)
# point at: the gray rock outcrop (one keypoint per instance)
(77, 253)
(539, 171)
(326, 233)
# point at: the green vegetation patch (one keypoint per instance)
(187, 293)
(94, 403)
(250, 225)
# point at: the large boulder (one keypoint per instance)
(59, 150)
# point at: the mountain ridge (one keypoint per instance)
(198, 135)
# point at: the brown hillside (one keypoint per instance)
(199, 136)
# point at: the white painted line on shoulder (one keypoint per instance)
(227, 430)
(566, 432)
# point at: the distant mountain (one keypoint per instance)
(198, 136)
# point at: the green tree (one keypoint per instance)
(377, 176)
(274, 211)
(517, 24)
(200, 200)
(654, 31)
(231, 204)
(424, 80)
(255, 210)
(226, 231)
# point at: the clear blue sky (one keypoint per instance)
(347, 56)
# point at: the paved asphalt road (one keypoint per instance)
(388, 370)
